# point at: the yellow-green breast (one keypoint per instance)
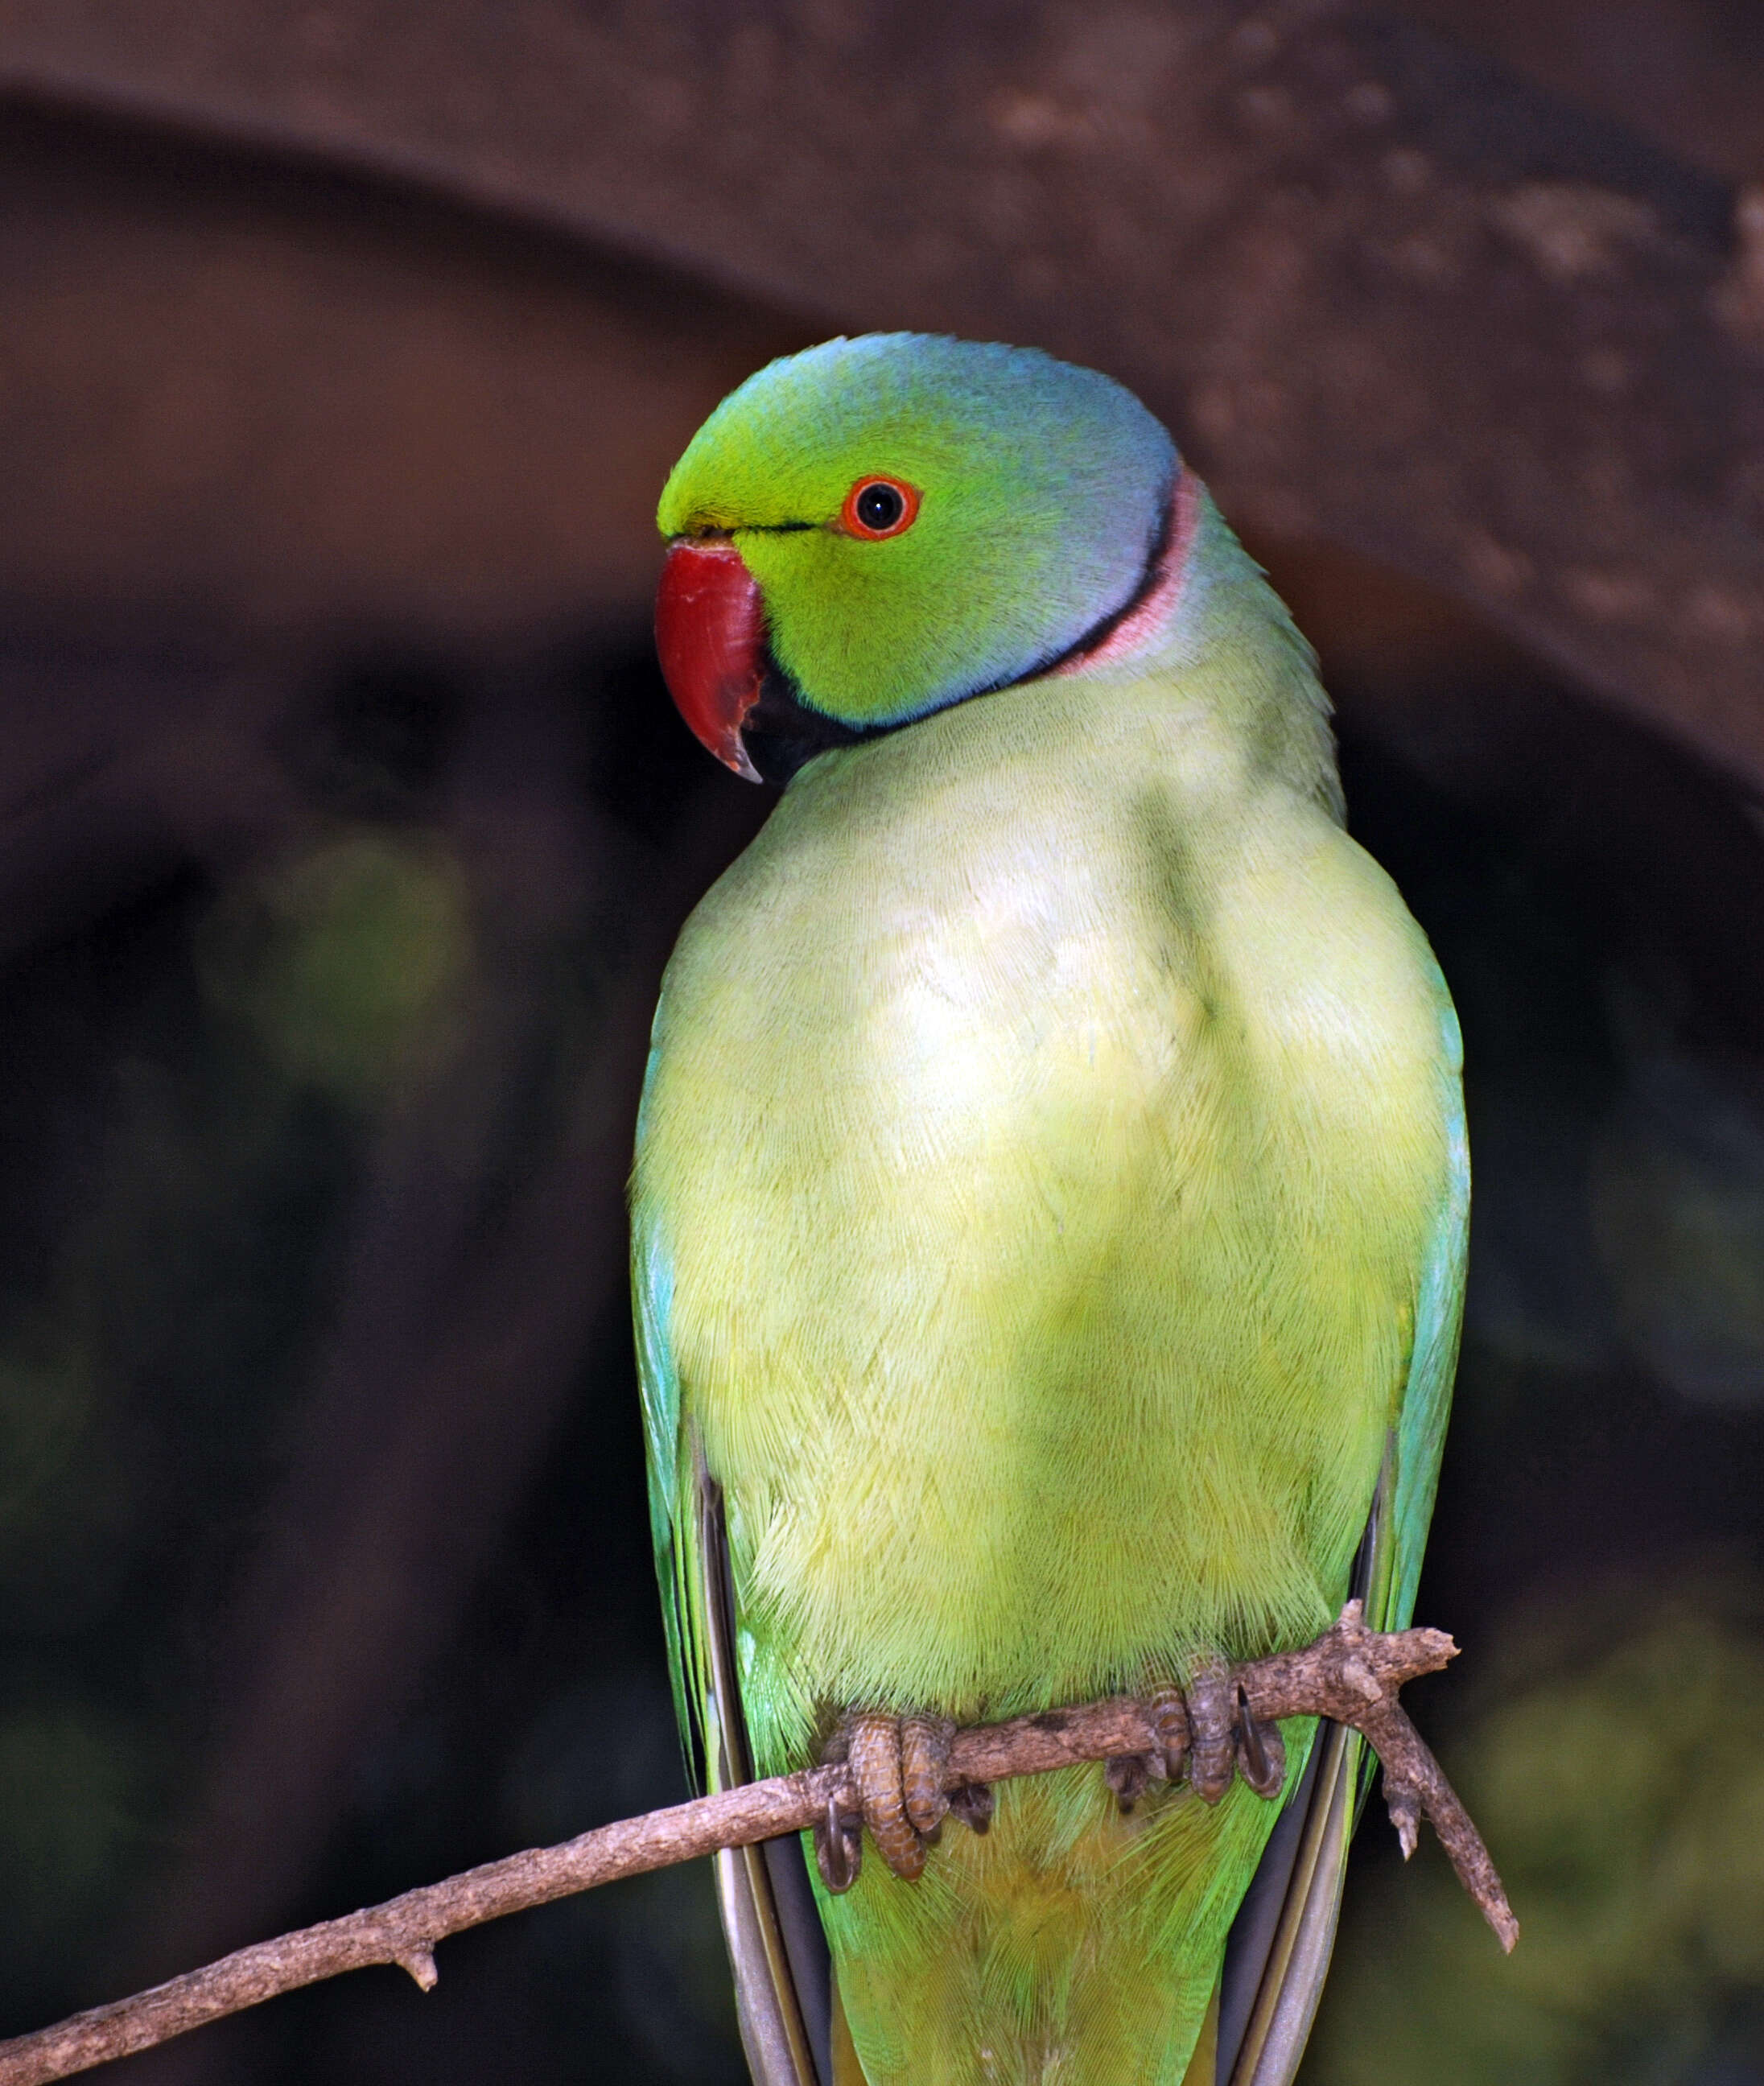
(1043, 1140)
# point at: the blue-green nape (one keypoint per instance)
(1044, 492)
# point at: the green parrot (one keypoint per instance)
(1049, 1216)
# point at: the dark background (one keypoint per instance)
(344, 827)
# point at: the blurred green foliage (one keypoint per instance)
(348, 962)
(70, 1817)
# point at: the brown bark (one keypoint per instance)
(1350, 1673)
(1387, 295)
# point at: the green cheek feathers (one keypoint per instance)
(1044, 489)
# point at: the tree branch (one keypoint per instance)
(1350, 1673)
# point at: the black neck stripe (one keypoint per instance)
(781, 732)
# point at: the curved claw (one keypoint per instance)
(973, 1804)
(1127, 1776)
(1261, 1753)
(838, 1850)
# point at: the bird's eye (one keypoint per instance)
(879, 507)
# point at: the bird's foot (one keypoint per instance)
(900, 1766)
(1211, 1727)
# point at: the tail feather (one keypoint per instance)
(1278, 1955)
(793, 2028)
(1270, 2017)
(846, 2069)
(777, 1949)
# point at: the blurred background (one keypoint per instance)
(345, 826)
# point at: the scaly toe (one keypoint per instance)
(1212, 1731)
(877, 1767)
(925, 1744)
(1167, 1714)
(1129, 1775)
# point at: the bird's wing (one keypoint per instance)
(1421, 1426)
(1278, 1954)
(777, 1949)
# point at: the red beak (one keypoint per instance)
(710, 638)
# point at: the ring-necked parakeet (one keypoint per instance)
(1049, 1216)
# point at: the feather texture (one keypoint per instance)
(1048, 1214)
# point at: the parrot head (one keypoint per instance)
(876, 529)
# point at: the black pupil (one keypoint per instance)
(880, 507)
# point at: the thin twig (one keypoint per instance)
(1350, 1673)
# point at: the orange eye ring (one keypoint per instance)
(878, 507)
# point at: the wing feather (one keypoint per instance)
(777, 1949)
(1278, 1955)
